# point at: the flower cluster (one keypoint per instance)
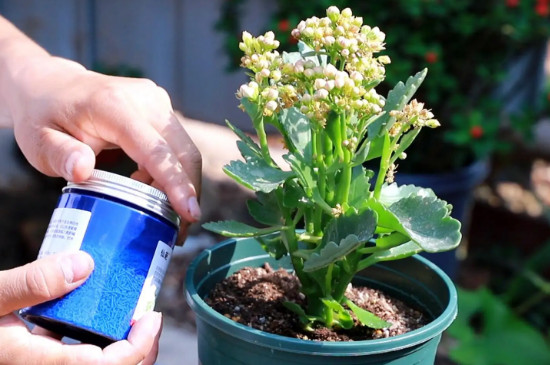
(346, 85)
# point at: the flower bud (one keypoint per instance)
(321, 94)
(340, 80)
(330, 70)
(308, 32)
(309, 73)
(319, 84)
(333, 13)
(270, 107)
(433, 123)
(275, 75)
(346, 13)
(329, 40)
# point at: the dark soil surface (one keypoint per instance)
(255, 297)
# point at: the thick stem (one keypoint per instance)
(321, 181)
(384, 165)
(262, 136)
(344, 179)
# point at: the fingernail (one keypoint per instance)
(193, 207)
(76, 266)
(70, 164)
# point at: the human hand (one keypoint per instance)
(64, 115)
(49, 278)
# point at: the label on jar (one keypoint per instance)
(65, 231)
(153, 280)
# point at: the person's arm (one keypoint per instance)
(49, 278)
(63, 115)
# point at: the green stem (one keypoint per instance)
(321, 182)
(344, 180)
(328, 280)
(343, 281)
(384, 165)
(260, 131)
(369, 261)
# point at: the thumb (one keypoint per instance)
(60, 154)
(42, 280)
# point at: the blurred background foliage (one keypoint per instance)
(485, 61)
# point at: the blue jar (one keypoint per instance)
(130, 229)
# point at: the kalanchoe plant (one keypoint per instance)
(326, 210)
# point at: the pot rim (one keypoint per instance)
(330, 348)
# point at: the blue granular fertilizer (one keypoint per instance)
(122, 240)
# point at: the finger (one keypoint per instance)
(187, 152)
(142, 175)
(60, 154)
(16, 342)
(153, 354)
(43, 280)
(161, 162)
(142, 339)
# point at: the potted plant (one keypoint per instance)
(486, 67)
(327, 217)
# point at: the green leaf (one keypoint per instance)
(376, 148)
(359, 187)
(342, 319)
(396, 253)
(265, 209)
(306, 177)
(310, 54)
(342, 236)
(298, 128)
(392, 193)
(305, 319)
(232, 228)
(391, 240)
(245, 138)
(292, 57)
(294, 196)
(273, 245)
(362, 153)
(255, 173)
(252, 110)
(427, 222)
(367, 318)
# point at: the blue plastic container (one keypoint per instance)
(129, 229)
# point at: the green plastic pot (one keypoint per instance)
(222, 341)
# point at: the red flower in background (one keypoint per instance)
(284, 25)
(431, 57)
(542, 8)
(476, 131)
(512, 3)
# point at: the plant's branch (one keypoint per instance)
(384, 165)
(260, 131)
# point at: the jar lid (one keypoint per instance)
(130, 190)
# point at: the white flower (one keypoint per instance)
(321, 94)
